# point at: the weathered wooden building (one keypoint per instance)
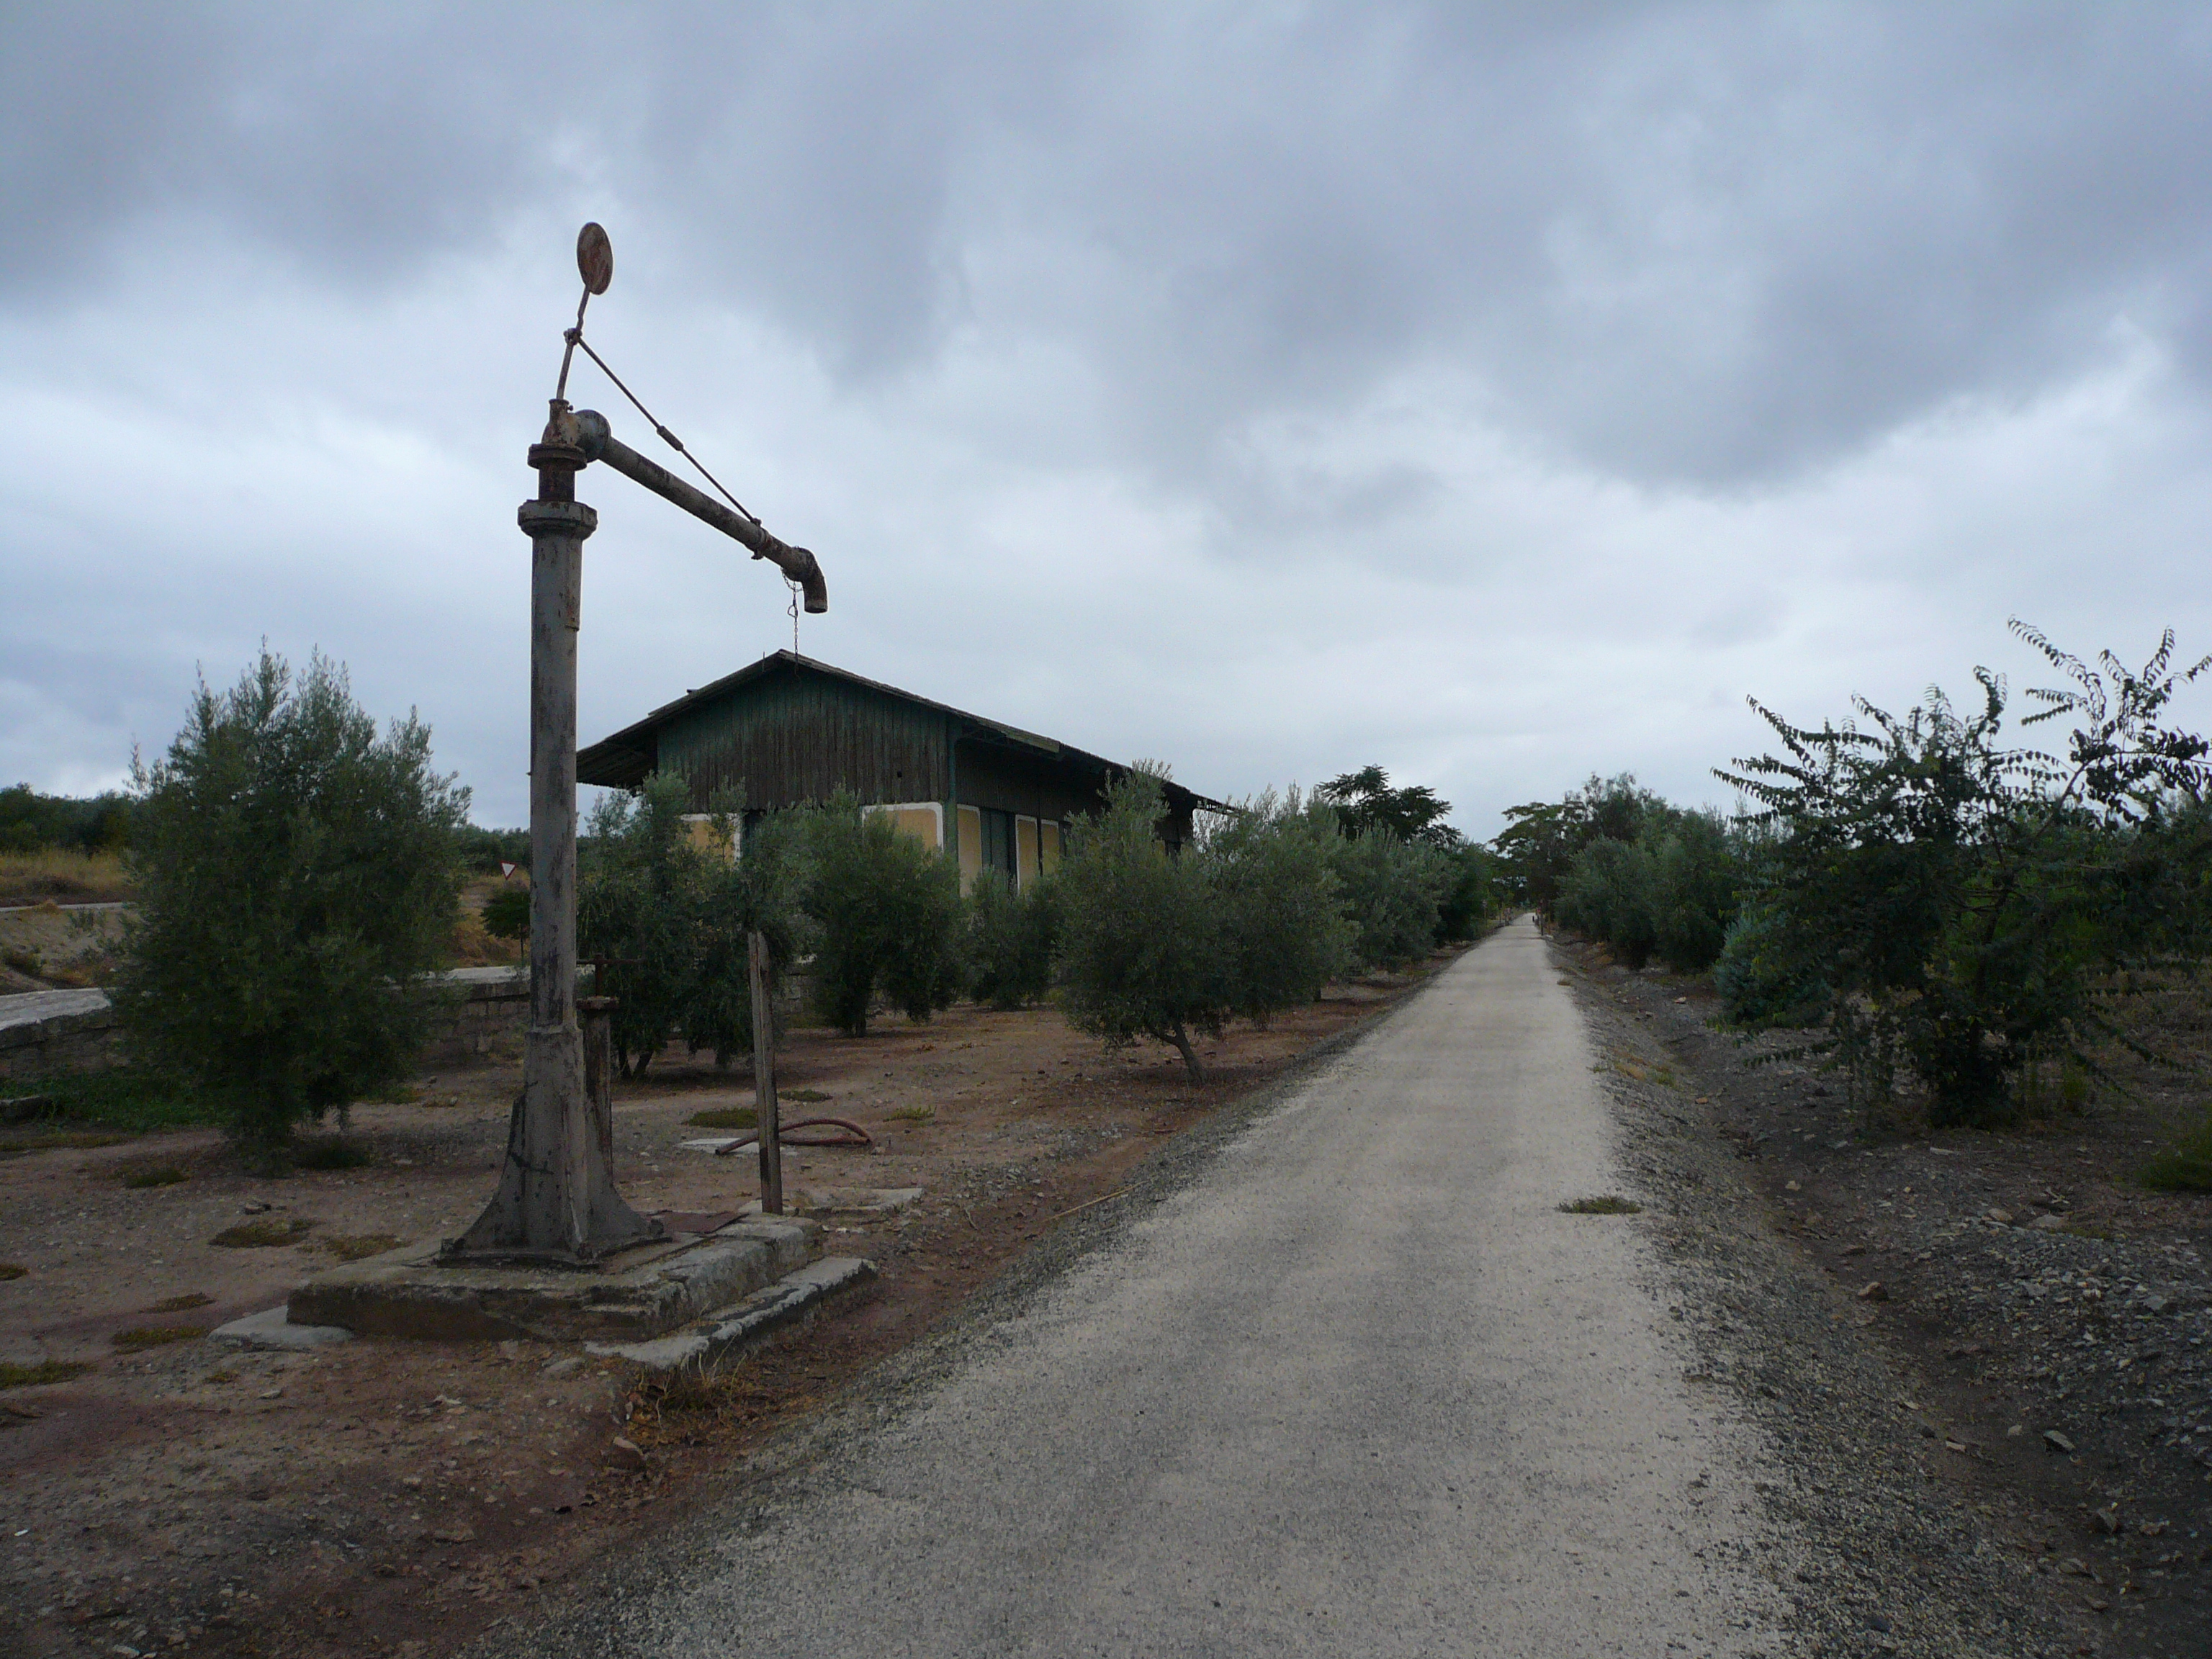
(790, 732)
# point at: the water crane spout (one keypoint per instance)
(587, 428)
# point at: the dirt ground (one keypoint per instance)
(47, 946)
(2051, 1318)
(393, 1498)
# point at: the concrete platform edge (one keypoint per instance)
(737, 1329)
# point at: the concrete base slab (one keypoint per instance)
(831, 1201)
(274, 1330)
(733, 1330)
(635, 1296)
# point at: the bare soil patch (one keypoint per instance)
(2049, 1320)
(48, 947)
(398, 1497)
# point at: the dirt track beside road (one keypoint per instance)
(380, 1494)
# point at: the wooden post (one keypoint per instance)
(556, 1198)
(771, 1146)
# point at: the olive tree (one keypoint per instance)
(297, 878)
(886, 911)
(1243, 923)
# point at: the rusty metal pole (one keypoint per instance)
(556, 1200)
(771, 1144)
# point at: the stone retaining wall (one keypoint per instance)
(44, 1032)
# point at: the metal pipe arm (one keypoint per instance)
(598, 444)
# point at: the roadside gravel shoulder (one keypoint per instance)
(1900, 1555)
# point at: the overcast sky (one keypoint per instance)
(1500, 393)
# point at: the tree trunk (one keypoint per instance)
(1181, 1038)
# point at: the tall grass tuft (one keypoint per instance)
(62, 873)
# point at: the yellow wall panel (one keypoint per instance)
(710, 837)
(1025, 853)
(970, 831)
(1047, 847)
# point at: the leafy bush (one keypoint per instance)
(1610, 893)
(1139, 950)
(1011, 938)
(674, 918)
(297, 883)
(507, 913)
(1761, 979)
(1392, 893)
(1696, 871)
(135, 1098)
(1278, 914)
(1966, 901)
(1244, 923)
(2185, 1166)
(1472, 897)
(888, 913)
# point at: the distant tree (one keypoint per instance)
(887, 912)
(764, 890)
(673, 911)
(1366, 803)
(297, 883)
(30, 821)
(1473, 896)
(1245, 922)
(1607, 894)
(506, 914)
(1542, 838)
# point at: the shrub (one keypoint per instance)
(1609, 894)
(1392, 893)
(1139, 955)
(888, 912)
(2185, 1166)
(1010, 936)
(1279, 914)
(1760, 979)
(507, 913)
(262, 1234)
(1472, 897)
(1695, 874)
(143, 1337)
(39, 1375)
(297, 882)
(1964, 902)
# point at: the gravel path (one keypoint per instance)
(1340, 1376)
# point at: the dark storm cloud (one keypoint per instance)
(1703, 244)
